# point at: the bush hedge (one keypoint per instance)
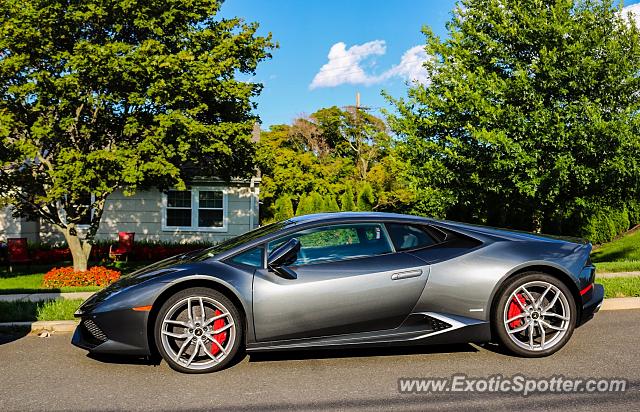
(603, 225)
(43, 253)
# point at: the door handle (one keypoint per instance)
(407, 274)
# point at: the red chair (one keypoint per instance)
(18, 251)
(124, 248)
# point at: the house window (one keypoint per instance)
(86, 199)
(179, 208)
(210, 208)
(201, 209)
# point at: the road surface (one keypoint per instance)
(49, 374)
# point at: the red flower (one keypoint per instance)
(95, 276)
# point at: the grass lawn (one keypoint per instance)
(21, 311)
(620, 287)
(611, 267)
(620, 255)
(33, 284)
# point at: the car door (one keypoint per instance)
(349, 280)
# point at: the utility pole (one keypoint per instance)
(355, 109)
(358, 142)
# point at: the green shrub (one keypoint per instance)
(603, 225)
(346, 200)
(633, 209)
(305, 205)
(283, 208)
(365, 198)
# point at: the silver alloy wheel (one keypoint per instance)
(544, 316)
(188, 332)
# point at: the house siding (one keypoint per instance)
(142, 214)
(11, 227)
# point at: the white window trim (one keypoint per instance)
(84, 226)
(195, 203)
(63, 214)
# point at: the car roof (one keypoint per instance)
(316, 217)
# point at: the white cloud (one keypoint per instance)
(634, 9)
(344, 66)
(410, 66)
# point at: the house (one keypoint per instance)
(210, 210)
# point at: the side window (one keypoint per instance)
(406, 237)
(252, 257)
(331, 243)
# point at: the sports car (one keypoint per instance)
(344, 280)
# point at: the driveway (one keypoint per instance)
(50, 374)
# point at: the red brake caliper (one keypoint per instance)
(220, 337)
(515, 310)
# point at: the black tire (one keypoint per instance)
(501, 311)
(233, 351)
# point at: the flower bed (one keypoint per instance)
(95, 276)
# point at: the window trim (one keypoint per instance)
(91, 212)
(195, 206)
(382, 225)
(82, 226)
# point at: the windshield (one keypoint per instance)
(239, 240)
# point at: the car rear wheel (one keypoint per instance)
(535, 315)
(198, 330)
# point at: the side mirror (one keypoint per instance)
(284, 256)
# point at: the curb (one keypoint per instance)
(39, 297)
(620, 304)
(605, 275)
(62, 326)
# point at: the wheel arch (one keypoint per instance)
(545, 268)
(191, 282)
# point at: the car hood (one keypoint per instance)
(163, 267)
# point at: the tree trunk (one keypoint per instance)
(79, 248)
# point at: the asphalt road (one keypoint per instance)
(50, 374)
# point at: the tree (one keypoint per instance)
(327, 151)
(284, 208)
(318, 202)
(305, 206)
(106, 95)
(365, 198)
(332, 204)
(346, 200)
(531, 114)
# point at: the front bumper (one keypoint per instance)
(591, 303)
(118, 332)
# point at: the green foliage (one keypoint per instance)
(633, 208)
(604, 224)
(20, 311)
(324, 154)
(625, 248)
(305, 206)
(332, 204)
(318, 202)
(530, 119)
(346, 200)
(284, 208)
(102, 95)
(365, 198)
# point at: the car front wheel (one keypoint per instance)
(198, 330)
(535, 315)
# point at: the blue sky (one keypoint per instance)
(372, 43)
